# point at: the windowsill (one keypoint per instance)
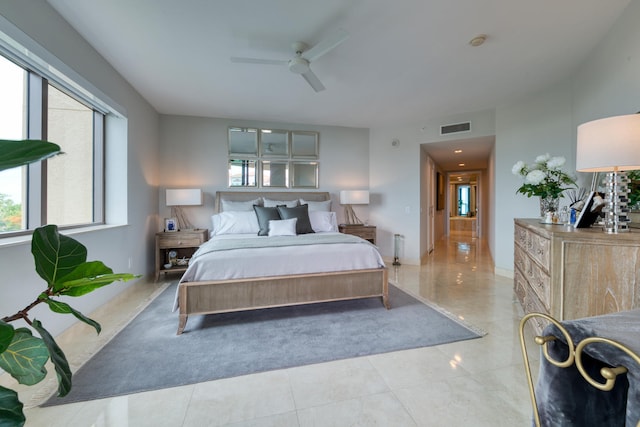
(26, 238)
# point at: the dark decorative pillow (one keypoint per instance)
(265, 215)
(303, 225)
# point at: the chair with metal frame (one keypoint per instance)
(566, 393)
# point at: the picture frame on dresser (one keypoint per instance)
(589, 215)
(170, 225)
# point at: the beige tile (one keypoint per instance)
(165, 407)
(230, 400)
(408, 368)
(330, 382)
(375, 410)
(290, 419)
(460, 402)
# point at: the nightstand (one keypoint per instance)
(366, 232)
(184, 243)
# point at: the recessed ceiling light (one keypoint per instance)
(457, 151)
(460, 164)
(478, 40)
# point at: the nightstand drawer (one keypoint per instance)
(366, 232)
(177, 242)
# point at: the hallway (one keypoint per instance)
(478, 382)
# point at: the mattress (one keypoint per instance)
(244, 256)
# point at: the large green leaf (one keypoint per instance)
(85, 285)
(19, 153)
(58, 358)
(6, 335)
(25, 357)
(64, 308)
(10, 409)
(85, 271)
(55, 255)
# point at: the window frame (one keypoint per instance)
(36, 173)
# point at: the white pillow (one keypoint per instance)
(324, 206)
(282, 227)
(235, 223)
(268, 203)
(323, 221)
(229, 205)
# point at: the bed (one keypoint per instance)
(238, 270)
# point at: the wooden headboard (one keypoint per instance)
(243, 196)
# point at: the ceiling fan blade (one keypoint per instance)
(258, 61)
(313, 81)
(325, 45)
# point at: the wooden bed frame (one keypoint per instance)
(221, 296)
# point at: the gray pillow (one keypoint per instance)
(303, 225)
(265, 215)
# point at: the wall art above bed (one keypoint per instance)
(273, 158)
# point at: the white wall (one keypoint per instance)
(606, 84)
(194, 153)
(395, 177)
(538, 125)
(135, 161)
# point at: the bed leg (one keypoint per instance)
(385, 302)
(385, 289)
(182, 323)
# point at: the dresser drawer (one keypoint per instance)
(538, 248)
(533, 305)
(538, 279)
(521, 236)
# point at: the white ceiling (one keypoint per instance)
(405, 60)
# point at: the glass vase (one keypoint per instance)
(549, 209)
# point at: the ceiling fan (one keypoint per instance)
(304, 56)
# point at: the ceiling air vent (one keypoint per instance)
(455, 128)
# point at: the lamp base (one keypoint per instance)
(183, 222)
(350, 216)
(616, 198)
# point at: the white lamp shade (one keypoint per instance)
(608, 144)
(354, 197)
(184, 197)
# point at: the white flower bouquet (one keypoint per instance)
(544, 178)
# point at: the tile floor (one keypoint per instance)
(471, 383)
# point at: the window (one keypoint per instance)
(66, 190)
(12, 126)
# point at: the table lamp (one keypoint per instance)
(611, 145)
(176, 198)
(353, 197)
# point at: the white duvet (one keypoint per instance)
(280, 260)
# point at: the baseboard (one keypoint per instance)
(503, 272)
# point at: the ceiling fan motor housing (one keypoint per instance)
(298, 65)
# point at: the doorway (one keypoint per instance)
(442, 160)
(463, 203)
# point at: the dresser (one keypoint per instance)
(573, 273)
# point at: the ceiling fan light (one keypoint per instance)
(299, 65)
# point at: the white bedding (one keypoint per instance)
(279, 261)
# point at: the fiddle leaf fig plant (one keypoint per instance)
(62, 263)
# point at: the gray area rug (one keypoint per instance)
(148, 355)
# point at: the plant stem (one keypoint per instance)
(22, 314)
